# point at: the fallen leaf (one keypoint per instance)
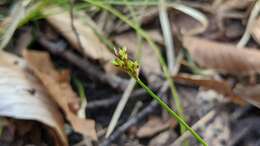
(23, 97)
(220, 86)
(255, 30)
(153, 126)
(223, 57)
(92, 46)
(130, 41)
(60, 90)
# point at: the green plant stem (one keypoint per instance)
(171, 112)
(149, 40)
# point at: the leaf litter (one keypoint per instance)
(220, 24)
(57, 84)
(23, 97)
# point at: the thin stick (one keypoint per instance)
(120, 107)
(197, 125)
(134, 120)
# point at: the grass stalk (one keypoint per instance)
(132, 68)
(171, 112)
(149, 40)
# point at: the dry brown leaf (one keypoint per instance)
(60, 90)
(153, 126)
(92, 46)
(23, 97)
(220, 86)
(149, 62)
(223, 57)
(255, 30)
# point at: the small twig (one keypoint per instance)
(136, 108)
(74, 29)
(113, 100)
(91, 70)
(197, 125)
(120, 107)
(103, 103)
(134, 120)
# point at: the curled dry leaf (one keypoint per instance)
(255, 30)
(92, 46)
(57, 84)
(223, 57)
(23, 97)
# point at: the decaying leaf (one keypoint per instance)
(223, 57)
(23, 97)
(220, 86)
(149, 62)
(60, 90)
(255, 31)
(92, 46)
(153, 126)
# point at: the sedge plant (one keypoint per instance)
(132, 68)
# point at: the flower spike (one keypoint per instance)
(124, 63)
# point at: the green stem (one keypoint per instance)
(149, 40)
(171, 112)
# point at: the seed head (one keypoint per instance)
(124, 63)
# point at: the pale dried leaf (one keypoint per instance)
(153, 126)
(223, 57)
(92, 46)
(23, 97)
(60, 90)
